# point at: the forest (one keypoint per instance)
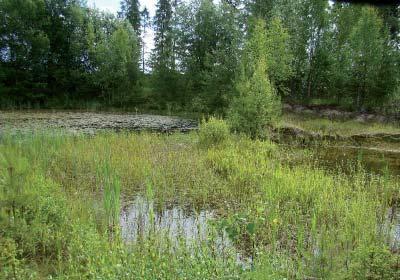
(63, 54)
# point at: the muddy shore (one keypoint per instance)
(88, 122)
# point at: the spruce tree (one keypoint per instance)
(163, 60)
(163, 41)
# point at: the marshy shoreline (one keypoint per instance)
(199, 205)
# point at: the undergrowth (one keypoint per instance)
(59, 194)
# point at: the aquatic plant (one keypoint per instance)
(213, 132)
(111, 197)
(277, 206)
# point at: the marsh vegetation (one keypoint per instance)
(155, 206)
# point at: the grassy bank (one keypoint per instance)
(344, 128)
(291, 218)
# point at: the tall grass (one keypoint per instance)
(337, 127)
(292, 218)
(111, 197)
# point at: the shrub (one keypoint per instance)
(257, 105)
(213, 132)
(393, 104)
(374, 262)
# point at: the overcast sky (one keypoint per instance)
(113, 5)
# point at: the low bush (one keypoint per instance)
(213, 132)
(374, 262)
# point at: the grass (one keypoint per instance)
(59, 194)
(336, 127)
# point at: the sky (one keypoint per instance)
(113, 5)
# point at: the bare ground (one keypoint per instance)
(89, 122)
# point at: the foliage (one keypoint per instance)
(57, 53)
(372, 262)
(257, 104)
(279, 56)
(117, 62)
(213, 132)
(366, 46)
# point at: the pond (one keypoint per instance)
(346, 157)
(139, 217)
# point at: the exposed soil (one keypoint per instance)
(361, 139)
(88, 122)
(334, 113)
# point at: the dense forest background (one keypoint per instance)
(63, 54)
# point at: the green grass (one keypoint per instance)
(295, 220)
(336, 127)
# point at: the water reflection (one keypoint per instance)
(392, 227)
(345, 157)
(138, 219)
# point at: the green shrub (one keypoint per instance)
(373, 262)
(10, 266)
(213, 132)
(257, 105)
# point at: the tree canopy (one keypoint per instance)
(63, 53)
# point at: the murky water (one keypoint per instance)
(392, 228)
(374, 161)
(139, 218)
(347, 157)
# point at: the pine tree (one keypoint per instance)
(163, 59)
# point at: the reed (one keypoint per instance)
(111, 197)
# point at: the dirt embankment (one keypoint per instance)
(299, 133)
(337, 114)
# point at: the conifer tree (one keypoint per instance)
(163, 59)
